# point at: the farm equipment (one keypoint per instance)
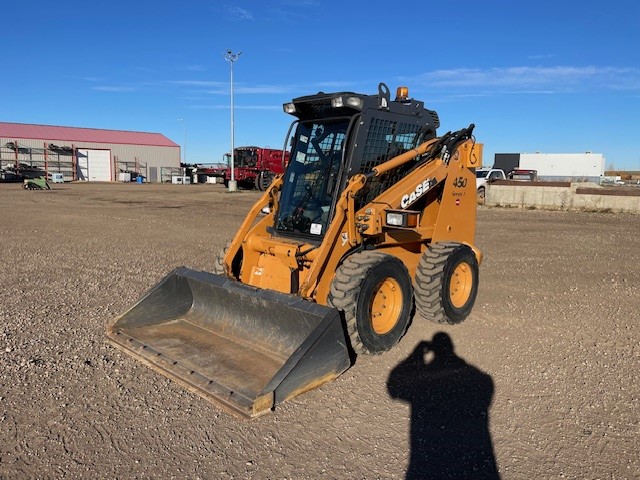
(373, 213)
(256, 167)
(39, 183)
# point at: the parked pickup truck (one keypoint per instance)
(485, 176)
(522, 174)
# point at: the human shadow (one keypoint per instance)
(450, 402)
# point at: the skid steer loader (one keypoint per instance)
(373, 214)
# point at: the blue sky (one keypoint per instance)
(561, 76)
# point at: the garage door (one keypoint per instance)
(94, 165)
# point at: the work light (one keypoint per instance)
(402, 218)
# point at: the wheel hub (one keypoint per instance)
(461, 284)
(386, 306)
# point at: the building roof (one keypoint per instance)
(14, 131)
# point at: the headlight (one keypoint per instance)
(337, 102)
(355, 102)
(402, 218)
(289, 108)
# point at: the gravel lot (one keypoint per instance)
(545, 383)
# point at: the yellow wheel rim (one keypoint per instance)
(386, 306)
(461, 284)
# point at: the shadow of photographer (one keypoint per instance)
(450, 402)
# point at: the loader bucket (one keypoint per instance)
(243, 348)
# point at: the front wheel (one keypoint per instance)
(218, 263)
(263, 180)
(446, 282)
(480, 196)
(236, 264)
(374, 292)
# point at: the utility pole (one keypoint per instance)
(184, 146)
(232, 57)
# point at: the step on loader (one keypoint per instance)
(373, 214)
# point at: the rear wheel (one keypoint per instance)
(374, 292)
(446, 282)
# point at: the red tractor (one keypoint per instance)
(256, 167)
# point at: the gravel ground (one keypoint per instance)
(542, 381)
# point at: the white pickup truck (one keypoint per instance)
(485, 176)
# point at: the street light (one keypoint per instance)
(232, 57)
(184, 148)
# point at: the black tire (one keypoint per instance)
(236, 266)
(480, 196)
(263, 180)
(359, 288)
(437, 298)
(218, 264)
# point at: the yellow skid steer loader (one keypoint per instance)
(373, 214)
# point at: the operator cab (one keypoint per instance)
(335, 136)
(245, 157)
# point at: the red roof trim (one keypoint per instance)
(87, 135)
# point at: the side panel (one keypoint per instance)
(572, 165)
(271, 160)
(457, 217)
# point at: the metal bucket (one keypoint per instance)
(243, 348)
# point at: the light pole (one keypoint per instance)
(232, 57)
(184, 147)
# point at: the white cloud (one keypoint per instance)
(249, 90)
(197, 83)
(541, 56)
(108, 88)
(300, 3)
(222, 88)
(220, 91)
(195, 68)
(240, 13)
(262, 89)
(239, 107)
(336, 85)
(558, 78)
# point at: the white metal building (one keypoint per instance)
(86, 153)
(574, 167)
(565, 166)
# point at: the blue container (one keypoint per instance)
(139, 179)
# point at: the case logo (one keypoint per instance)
(419, 191)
